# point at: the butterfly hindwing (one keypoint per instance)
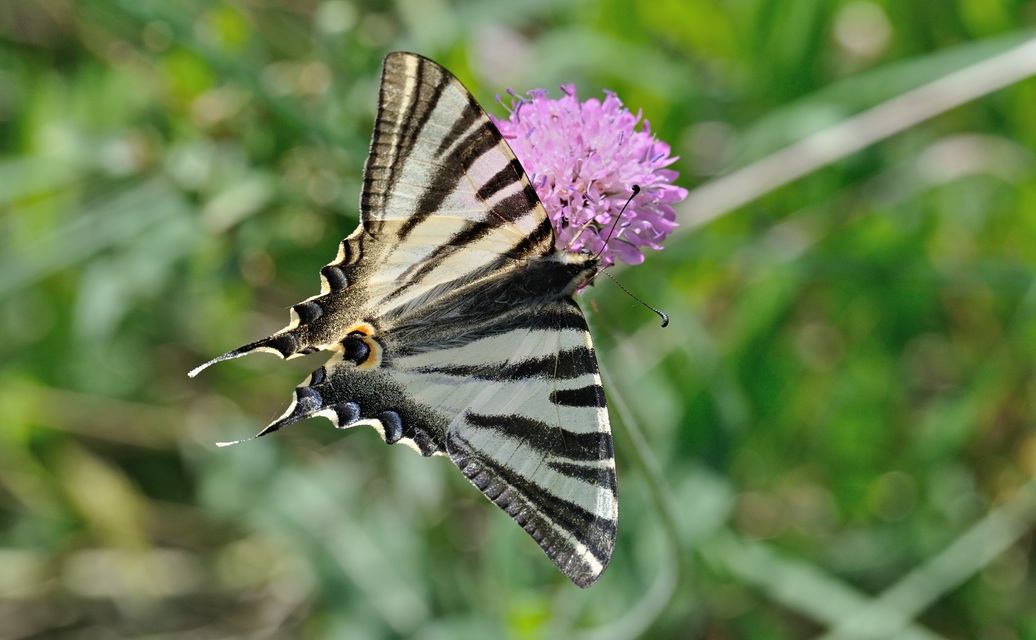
(532, 442)
(450, 314)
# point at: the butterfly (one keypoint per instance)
(450, 315)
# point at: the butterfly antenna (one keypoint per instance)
(661, 314)
(611, 232)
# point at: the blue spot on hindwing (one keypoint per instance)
(393, 425)
(348, 413)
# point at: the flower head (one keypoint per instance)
(583, 158)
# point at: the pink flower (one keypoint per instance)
(583, 159)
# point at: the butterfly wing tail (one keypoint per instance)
(310, 327)
(306, 401)
(286, 344)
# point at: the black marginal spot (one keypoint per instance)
(347, 412)
(308, 311)
(425, 443)
(335, 277)
(285, 344)
(307, 401)
(393, 426)
(481, 480)
(355, 350)
(589, 396)
(317, 377)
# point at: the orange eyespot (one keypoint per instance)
(360, 347)
(362, 328)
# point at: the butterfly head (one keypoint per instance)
(581, 267)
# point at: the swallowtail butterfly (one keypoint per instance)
(451, 318)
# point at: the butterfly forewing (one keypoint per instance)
(442, 187)
(451, 316)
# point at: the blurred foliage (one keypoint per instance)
(838, 422)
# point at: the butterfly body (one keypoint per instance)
(451, 317)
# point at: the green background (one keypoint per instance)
(833, 437)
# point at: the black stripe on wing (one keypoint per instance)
(565, 365)
(412, 97)
(453, 167)
(586, 473)
(473, 139)
(548, 439)
(591, 395)
(559, 526)
(334, 275)
(530, 247)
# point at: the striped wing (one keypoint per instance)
(534, 439)
(442, 190)
(450, 315)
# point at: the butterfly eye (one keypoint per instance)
(355, 348)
